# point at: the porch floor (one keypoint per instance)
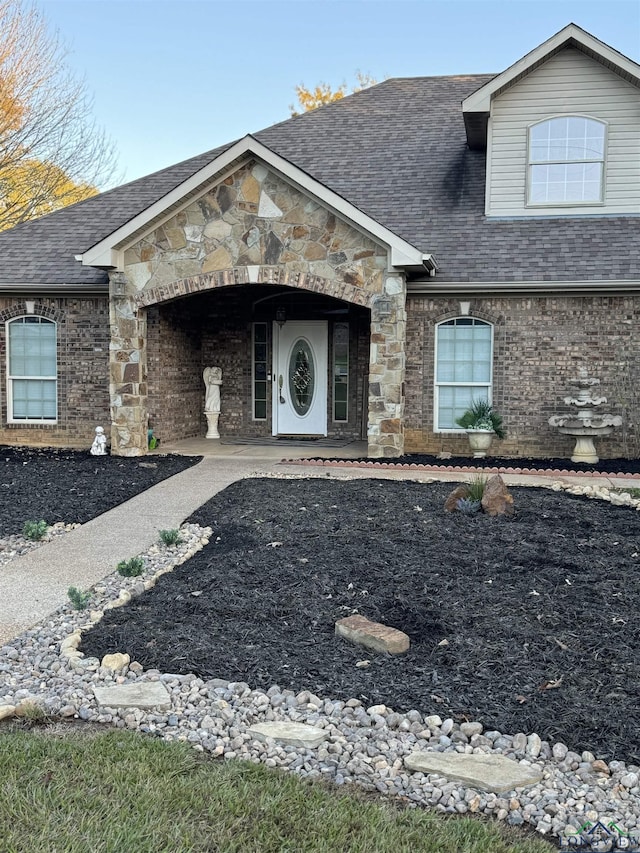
(268, 450)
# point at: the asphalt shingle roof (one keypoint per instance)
(398, 152)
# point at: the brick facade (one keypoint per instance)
(83, 368)
(539, 344)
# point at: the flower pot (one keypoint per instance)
(480, 441)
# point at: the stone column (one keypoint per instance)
(387, 370)
(127, 371)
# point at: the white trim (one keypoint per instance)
(489, 161)
(106, 254)
(480, 101)
(436, 385)
(11, 378)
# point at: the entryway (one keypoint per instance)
(300, 366)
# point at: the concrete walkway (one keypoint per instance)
(36, 584)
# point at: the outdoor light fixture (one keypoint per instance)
(383, 308)
(281, 316)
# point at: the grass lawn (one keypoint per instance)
(91, 791)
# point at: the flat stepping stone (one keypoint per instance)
(292, 734)
(146, 694)
(487, 772)
(374, 635)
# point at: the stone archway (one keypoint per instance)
(271, 234)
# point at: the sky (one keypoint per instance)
(174, 78)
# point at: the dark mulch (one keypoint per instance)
(525, 463)
(527, 624)
(73, 486)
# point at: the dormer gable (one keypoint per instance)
(562, 130)
(476, 108)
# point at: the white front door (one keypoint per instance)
(300, 378)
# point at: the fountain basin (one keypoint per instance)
(585, 449)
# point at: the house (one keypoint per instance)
(365, 269)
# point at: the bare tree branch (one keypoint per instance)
(51, 152)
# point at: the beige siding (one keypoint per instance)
(568, 83)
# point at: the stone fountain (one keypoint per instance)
(585, 424)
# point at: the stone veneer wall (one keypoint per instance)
(539, 343)
(255, 228)
(83, 367)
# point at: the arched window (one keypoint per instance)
(31, 370)
(463, 368)
(566, 161)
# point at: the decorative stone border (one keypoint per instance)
(458, 469)
(601, 493)
(195, 538)
(15, 545)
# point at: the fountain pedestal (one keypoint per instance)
(585, 449)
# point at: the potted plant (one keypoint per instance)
(481, 424)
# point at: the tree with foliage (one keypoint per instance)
(311, 99)
(51, 152)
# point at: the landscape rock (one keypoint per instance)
(373, 635)
(292, 734)
(143, 694)
(116, 661)
(451, 503)
(497, 499)
(494, 773)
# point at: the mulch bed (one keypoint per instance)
(613, 467)
(73, 486)
(526, 623)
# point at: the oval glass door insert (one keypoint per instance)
(301, 376)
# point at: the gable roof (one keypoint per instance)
(477, 106)
(398, 153)
(105, 252)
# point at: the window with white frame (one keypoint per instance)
(566, 161)
(463, 368)
(260, 372)
(32, 393)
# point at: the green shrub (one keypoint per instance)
(480, 415)
(131, 568)
(170, 537)
(477, 487)
(79, 600)
(34, 530)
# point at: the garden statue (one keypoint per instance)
(212, 381)
(99, 446)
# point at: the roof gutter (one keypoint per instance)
(518, 288)
(50, 289)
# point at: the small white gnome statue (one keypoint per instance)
(99, 446)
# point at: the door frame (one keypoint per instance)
(322, 371)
